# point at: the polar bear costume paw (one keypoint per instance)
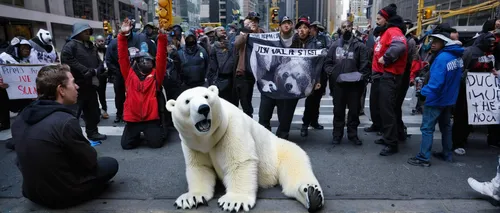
(236, 202)
(190, 200)
(314, 198)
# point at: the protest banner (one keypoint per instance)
(483, 98)
(21, 79)
(282, 73)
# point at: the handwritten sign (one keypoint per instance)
(278, 51)
(274, 36)
(21, 80)
(483, 98)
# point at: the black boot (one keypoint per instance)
(96, 136)
(372, 129)
(356, 141)
(304, 131)
(9, 144)
(118, 119)
(389, 150)
(317, 126)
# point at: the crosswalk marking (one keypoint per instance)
(325, 117)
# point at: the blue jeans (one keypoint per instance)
(431, 116)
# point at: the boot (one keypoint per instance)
(304, 131)
(104, 114)
(96, 136)
(118, 119)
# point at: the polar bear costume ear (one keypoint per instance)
(170, 105)
(214, 89)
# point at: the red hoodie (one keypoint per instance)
(141, 103)
(392, 36)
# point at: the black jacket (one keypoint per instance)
(222, 62)
(339, 61)
(55, 159)
(83, 60)
(195, 62)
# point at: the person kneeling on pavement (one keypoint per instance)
(60, 168)
(142, 83)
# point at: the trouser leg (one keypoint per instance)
(266, 109)
(402, 89)
(101, 90)
(460, 129)
(90, 107)
(152, 134)
(4, 109)
(131, 137)
(286, 109)
(375, 104)
(119, 87)
(388, 90)
(353, 102)
(339, 107)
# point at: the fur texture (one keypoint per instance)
(239, 151)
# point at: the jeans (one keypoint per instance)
(431, 116)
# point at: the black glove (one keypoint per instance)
(101, 71)
(90, 73)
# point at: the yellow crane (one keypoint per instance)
(429, 15)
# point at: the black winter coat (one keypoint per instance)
(55, 159)
(83, 60)
(353, 59)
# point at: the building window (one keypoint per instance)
(19, 3)
(126, 11)
(82, 9)
(106, 10)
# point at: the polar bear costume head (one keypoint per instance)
(197, 112)
(44, 36)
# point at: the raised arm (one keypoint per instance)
(123, 56)
(161, 58)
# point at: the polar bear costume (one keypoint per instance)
(219, 140)
(42, 51)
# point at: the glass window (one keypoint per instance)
(19, 3)
(82, 9)
(126, 11)
(106, 10)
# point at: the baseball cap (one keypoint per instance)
(303, 20)
(253, 15)
(285, 18)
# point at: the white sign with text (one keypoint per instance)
(483, 98)
(21, 80)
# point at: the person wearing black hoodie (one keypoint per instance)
(64, 170)
(477, 58)
(195, 61)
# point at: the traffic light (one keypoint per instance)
(164, 12)
(427, 14)
(105, 24)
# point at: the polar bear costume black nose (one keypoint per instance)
(288, 86)
(204, 109)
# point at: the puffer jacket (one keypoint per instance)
(347, 62)
(195, 62)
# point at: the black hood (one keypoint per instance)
(40, 109)
(483, 41)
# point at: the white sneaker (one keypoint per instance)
(485, 188)
(460, 151)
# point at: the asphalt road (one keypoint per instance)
(353, 178)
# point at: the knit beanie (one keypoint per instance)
(389, 11)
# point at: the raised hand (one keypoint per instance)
(126, 27)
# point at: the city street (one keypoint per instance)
(353, 178)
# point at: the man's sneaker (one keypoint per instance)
(486, 188)
(417, 162)
(356, 141)
(460, 151)
(380, 141)
(336, 140)
(9, 144)
(97, 136)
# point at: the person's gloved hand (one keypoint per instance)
(101, 71)
(90, 73)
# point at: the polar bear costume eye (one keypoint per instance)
(187, 101)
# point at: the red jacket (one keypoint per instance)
(395, 57)
(141, 103)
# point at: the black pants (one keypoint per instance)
(225, 85)
(107, 168)
(375, 104)
(403, 85)
(119, 87)
(286, 109)
(4, 109)
(312, 104)
(152, 130)
(388, 91)
(347, 94)
(243, 93)
(363, 98)
(88, 103)
(101, 91)
(172, 92)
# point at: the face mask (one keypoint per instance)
(145, 65)
(347, 35)
(190, 42)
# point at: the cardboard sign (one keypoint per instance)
(21, 80)
(483, 98)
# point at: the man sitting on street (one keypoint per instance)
(59, 167)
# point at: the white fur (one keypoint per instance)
(239, 151)
(268, 86)
(44, 36)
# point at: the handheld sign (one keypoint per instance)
(483, 98)
(21, 79)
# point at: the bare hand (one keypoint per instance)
(4, 86)
(162, 31)
(381, 60)
(126, 27)
(318, 85)
(495, 73)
